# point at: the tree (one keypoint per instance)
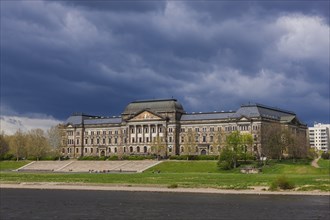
(158, 146)
(236, 148)
(189, 145)
(54, 138)
(272, 143)
(37, 143)
(218, 141)
(4, 145)
(18, 144)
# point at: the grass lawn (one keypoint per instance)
(12, 165)
(189, 174)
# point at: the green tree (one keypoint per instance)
(236, 148)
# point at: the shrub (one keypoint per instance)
(225, 165)
(325, 155)
(7, 157)
(172, 186)
(113, 157)
(226, 159)
(281, 182)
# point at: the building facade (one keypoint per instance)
(319, 137)
(162, 127)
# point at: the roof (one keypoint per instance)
(115, 120)
(155, 105)
(206, 116)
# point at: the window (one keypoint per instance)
(204, 129)
(116, 149)
(104, 132)
(170, 139)
(132, 130)
(86, 141)
(109, 149)
(139, 130)
(204, 138)
(211, 138)
(170, 149)
(97, 141)
(103, 141)
(182, 139)
(116, 140)
(91, 150)
(160, 129)
(140, 139)
(147, 139)
(77, 150)
(92, 132)
(182, 130)
(85, 150)
(109, 140)
(98, 132)
(196, 138)
(86, 132)
(131, 149)
(212, 129)
(138, 149)
(116, 132)
(146, 130)
(197, 129)
(170, 130)
(77, 141)
(145, 149)
(77, 133)
(153, 130)
(133, 140)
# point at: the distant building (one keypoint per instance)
(148, 124)
(319, 137)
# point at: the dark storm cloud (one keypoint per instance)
(60, 57)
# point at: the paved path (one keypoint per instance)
(105, 187)
(314, 162)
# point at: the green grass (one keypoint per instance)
(12, 165)
(188, 174)
(324, 164)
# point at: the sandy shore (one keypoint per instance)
(66, 186)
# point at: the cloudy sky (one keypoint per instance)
(60, 57)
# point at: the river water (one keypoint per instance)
(81, 204)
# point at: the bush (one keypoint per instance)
(113, 157)
(325, 155)
(281, 182)
(226, 159)
(7, 157)
(225, 165)
(172, 186)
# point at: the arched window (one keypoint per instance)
(131, 149)
(115, 150)
(145, 149)
(138, 149)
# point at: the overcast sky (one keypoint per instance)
(60, 57)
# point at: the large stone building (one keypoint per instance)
(162, 127)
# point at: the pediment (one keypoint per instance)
(145, 115)
(244, 119)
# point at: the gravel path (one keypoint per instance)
(314, 162)
(65, 186)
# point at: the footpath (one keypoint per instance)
(64, 186)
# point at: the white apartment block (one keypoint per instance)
(319, 137)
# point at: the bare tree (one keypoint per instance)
(18, 144)
(189, 145)
(37, 143)
(158, 146)
(4, 145)
(54, 138)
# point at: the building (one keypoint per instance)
(319, 137)
(162, 127)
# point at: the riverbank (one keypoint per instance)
(102, 187)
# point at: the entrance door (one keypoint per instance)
(203, 152)
(102, 153)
